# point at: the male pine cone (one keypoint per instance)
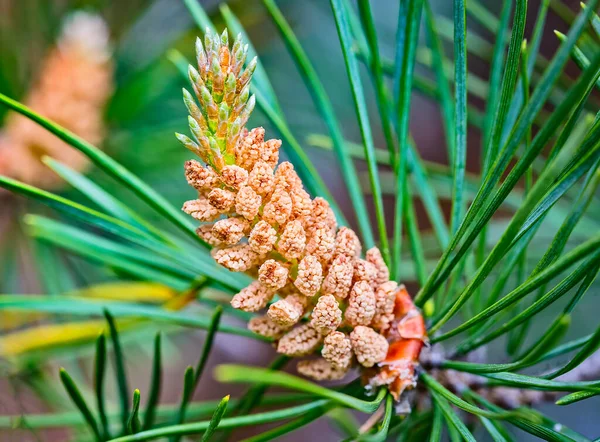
(74, 84)
(260, 220)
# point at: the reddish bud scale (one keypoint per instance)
(406, 336)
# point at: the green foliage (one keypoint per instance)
(133, 423)
(79, 402)
(100, 370)
(513, 259)
(155, 384)
(325, 108)
(365, 128)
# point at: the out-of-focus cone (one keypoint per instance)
(72, 88)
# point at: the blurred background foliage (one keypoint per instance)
(146, 109)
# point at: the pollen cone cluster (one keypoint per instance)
(315, 290)
(73, 86)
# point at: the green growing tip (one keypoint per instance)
(560, 35)
(225, 38)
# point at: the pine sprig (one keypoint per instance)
(521, 235)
